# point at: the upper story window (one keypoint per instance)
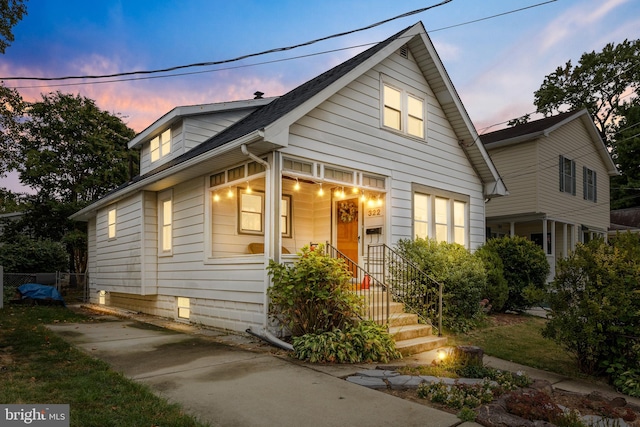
(567, 176)
(403, 111)
(589, 184)
(111, 221)
(161, 145)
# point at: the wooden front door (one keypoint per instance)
(347, 228)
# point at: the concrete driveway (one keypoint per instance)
(226, 385)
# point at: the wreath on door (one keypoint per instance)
(347, 211)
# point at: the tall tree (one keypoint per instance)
(11, 12)
(71, 151)
(600, 82)
(625, 188)
(11, 109)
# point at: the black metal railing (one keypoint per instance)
(408, 284)
(370, 288)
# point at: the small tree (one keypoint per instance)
(24, 255)
(496, 289)
(462, 276)
(525, 269)
(595, 306)
(313, 295)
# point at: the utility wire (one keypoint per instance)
(226, 61)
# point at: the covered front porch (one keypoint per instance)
(557, 238)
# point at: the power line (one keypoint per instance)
(226, 61)
(203, 64)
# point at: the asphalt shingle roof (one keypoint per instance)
(531, 128)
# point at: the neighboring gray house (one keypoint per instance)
(377, 149)
(624, 220)
(557, 170)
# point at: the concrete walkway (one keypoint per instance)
(233, 380)
(227, 380)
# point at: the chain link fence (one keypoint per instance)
(74, 287)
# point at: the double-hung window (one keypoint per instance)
(165, 223)
(440, 216)
(567, 175)
(403, 110)
(589, 184)
(160, 146)
(111, 223)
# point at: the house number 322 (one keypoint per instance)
(374, 212)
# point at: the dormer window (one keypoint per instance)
(161, 145)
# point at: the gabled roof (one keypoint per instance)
(543, 128)
(625, 219)
(194, 110)
(270, 122)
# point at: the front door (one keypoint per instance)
(347, 228)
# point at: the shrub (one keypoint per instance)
(313, 295)
(25, 255)
(595, 307)
(525, 268)
(496, 289)
(462, 275)
(364, 342)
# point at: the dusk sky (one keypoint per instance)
(495, 64)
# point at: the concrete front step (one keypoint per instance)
(420, 344)
(407, 332)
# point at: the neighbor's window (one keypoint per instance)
(440, 217)
(567, 175)
(403, 111)
(165, 222)
(111, 221)
(184, 308)
(161, 145)
(589, 184)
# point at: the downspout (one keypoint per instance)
(257, 159)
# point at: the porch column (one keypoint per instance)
(512, 229)
(544, 236)
(553, 238)
(565, 246)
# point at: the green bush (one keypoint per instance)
(25, 255)
(595, 308)
(496, 289)
(313, 295)
(462, 275)
(363, 342)
(525, 268)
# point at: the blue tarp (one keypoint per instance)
(39, 292)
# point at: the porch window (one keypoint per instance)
(160, 145)
(567, 175)
(111, 223)
(250, 210)
(165, 223)
(442, 217)
(589, 184)
(403, 110)
(285, 216)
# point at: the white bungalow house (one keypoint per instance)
(557, 170)
(377, 149)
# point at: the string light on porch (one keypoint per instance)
(216, 197)
(229, 193)
(248, 190)
(321, 191)
(296, 186)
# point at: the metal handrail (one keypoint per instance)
(373, 291)
(420, 293)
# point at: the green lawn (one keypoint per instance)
(520, 340)
(37, 367)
